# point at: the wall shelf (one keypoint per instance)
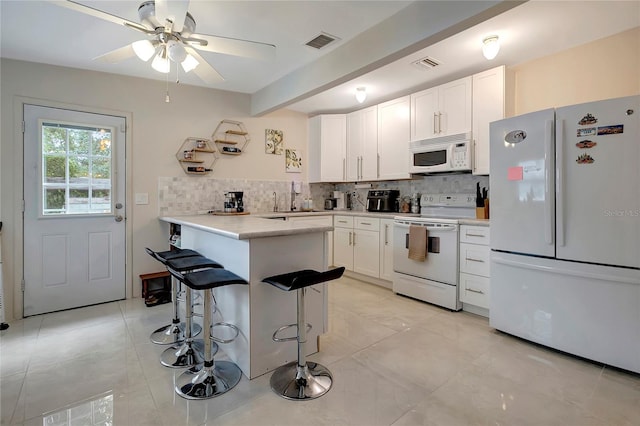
(197, 156)
(230, 133)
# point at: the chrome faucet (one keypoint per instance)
(293, 196)
(275, 201)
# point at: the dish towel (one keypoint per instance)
(418, 237)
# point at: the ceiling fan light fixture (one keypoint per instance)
(361, 94)
(189, 63)
(161, 61)
(490, 47)
(176, 51)
(144, 49)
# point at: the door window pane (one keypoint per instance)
(76, 169)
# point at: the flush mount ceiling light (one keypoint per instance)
(361, 94)
(490, 47)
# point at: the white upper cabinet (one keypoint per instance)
(327, 148)
(441, 111)
(488, 106)
(393, 139)
(362, 145)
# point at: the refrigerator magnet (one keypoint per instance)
(585, 159)
(586, 144)
(587, 119)
(589, 131)
(515, 173)
(611, 130)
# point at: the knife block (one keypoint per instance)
(483, 212)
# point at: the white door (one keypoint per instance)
(369, 161)
(366, 252)
(455, 107)
(522, 184)
(386, 249)
(354, 145)
(598, 200)
(424, 114)
(74, 192)
(394, 131)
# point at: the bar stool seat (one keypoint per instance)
(301, 380)
(172, 333)
(189, 352)
(211, 378)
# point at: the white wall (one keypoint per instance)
(158, 129)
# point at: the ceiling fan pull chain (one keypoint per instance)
(167, 99)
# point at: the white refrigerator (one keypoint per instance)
(565, 229)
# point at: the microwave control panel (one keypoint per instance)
(461, 156)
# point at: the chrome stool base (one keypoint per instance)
(208, 381)
(185, 355)
(298, 383)
(173, 334)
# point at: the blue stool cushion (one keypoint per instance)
(211, 278)
(183, 264)
(303, 278)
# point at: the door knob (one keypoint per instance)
(119, 218)
(118, 206)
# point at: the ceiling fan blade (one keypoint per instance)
(117, 55)
(206, 72)
(172, 10)
(233, 46)
(87, 10)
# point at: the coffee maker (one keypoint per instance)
(233, 202)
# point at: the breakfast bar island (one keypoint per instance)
(255, 248)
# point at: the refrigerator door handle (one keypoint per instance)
(548, 182)
(560, 182)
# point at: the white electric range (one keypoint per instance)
(434, 280)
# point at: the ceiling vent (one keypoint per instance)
(321, 40)
(426, 63)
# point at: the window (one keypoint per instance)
(76, 169)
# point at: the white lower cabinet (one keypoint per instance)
(474, 266)
(356, 244)
(386, 249)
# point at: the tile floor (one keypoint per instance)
(395, 361)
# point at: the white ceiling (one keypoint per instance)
(39, 31)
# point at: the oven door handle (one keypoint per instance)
(430, 228)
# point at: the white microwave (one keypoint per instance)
(437, 156)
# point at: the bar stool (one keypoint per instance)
(300, 380)
(189, 352)
(174, 332)
(211, 378)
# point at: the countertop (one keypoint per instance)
(334, 213)
(476, 222)
(246, 227)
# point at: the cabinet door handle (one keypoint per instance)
(475, 158)
(342, 221)
(386, 231)
(378, 167)
(474, 260)
(439, 122)
(435, 124)
(474, 235)
(350, 239)
(354, 238)
(365, 223)
(475, 291)
(360, 169)
(344, 168)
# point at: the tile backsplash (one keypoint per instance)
(191, 195)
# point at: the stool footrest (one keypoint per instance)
(275, 337)
(229, 325)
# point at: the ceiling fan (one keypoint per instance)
(171, 38)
